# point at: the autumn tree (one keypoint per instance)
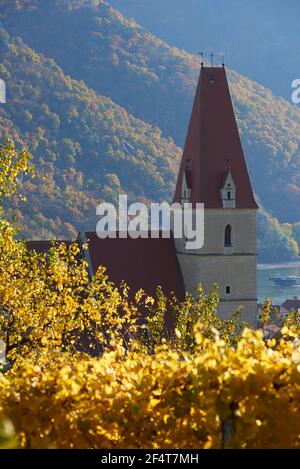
(89, 366)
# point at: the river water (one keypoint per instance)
(267, 289)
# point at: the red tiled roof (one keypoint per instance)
(43, 246)
(212, 143)
(39, 246)
(142, 263)
(291, 304)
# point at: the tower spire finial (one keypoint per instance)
(212, 59)
(202, 58)
(223, 58)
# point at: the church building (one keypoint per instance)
(213, 171)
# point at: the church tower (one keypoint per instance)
(213, 171)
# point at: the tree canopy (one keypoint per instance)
(81, 370)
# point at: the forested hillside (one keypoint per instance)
(156, 83)
(90, 148)
(86, 147)
(260, 38)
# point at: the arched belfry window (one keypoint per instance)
(228, 236)
(228, 190)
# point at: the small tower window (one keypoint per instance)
(227, 236)
(228, 190)
(228, 290)
(186, 187)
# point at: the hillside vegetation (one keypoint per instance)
(156, 82)
(84, 366)
(91, 148)
(86, 147)
(263, 46)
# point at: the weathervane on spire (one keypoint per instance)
(211, 55)
(202, 58)
(223, 58)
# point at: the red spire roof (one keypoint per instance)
(213, 143)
